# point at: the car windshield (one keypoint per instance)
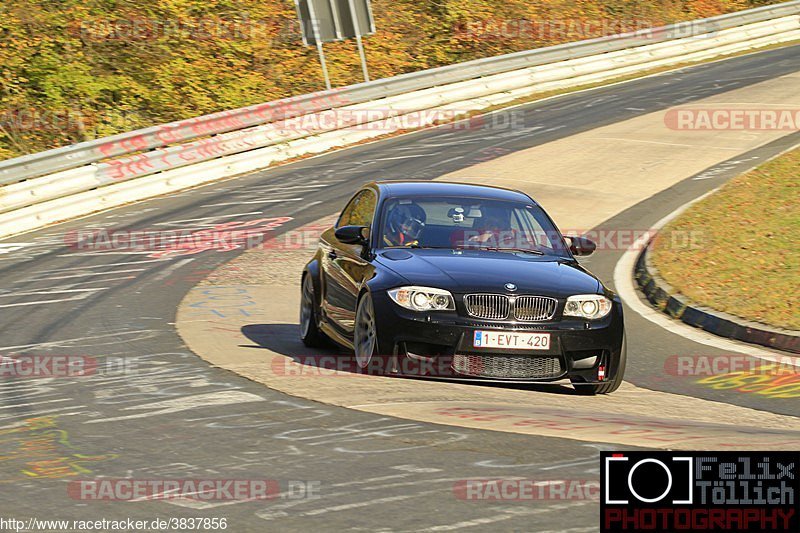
(469, 223)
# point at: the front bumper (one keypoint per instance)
(440, 344)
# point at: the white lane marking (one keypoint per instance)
(172, 268)
(369, 480)
(33, 414)
(492, 463)
(271, 201)
(419, 482)
(88, 275)
(592, 461)
(276, 510)
(186, 403)
(514, 137)
(440, 145)
(14, 406)
(301, 208)
(715, 104)
(571, 530)
(215, 217)
(103, 252)
(446, 161)
(624, 284)
(416, 469)
(70, 342)
(9, 247)
(508, 514)
(358, 505)
(103, 280)
(99, 265)
(722, 168)
(623, 139)
(413, 156)
(81, 296)
(51, 291)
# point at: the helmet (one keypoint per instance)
(494, 218)
(406, 222)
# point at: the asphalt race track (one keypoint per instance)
(157, 411)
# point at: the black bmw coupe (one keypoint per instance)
(464, 282)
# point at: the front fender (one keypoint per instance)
(384, 279)
(312, 269)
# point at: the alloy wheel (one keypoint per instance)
(365, 338)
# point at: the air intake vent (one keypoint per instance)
(507, 366)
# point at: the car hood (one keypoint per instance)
(487, 271)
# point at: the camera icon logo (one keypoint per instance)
(648, 480)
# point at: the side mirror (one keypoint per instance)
(581, 246)
(353, 235)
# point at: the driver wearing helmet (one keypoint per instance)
(404, 225)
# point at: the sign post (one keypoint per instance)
(357, 27)
(317, 30)
(326, 21)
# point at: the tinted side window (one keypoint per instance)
(359, 211)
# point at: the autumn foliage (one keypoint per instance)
(74, 70)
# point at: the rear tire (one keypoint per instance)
(310, 333)
(610, 386)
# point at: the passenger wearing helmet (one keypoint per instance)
(404, 225)
(493, 227)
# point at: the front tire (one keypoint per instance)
(611, 385)
(310, 333)
(365, 337)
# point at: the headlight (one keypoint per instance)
(423, 298)
(590, 306)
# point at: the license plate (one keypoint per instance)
(512, 341)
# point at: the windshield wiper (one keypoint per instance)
(524, 250)
(504, 249)
(420, 246)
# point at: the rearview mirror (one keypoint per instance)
(352, 235)
(581, 246)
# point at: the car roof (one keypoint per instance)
(390, 189)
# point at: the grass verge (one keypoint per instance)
(745, 260)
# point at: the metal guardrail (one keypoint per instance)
(77, 155)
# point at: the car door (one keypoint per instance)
(344, 265)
